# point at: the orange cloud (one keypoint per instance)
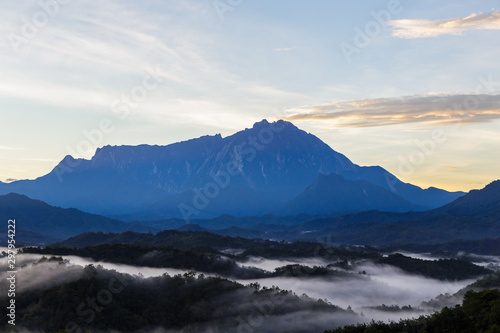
(454, 26)
(436, 110)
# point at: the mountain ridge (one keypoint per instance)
(334, 192)
(252, 172)
(382, 228)
(37, 220)
(44, 221)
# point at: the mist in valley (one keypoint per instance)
(272, 264)
(381, 284)
(362, 289)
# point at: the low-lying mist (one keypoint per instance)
(379, 284)
(489, 261)
(231, 308)
(33, 274)
(365, 289)
(272, 264)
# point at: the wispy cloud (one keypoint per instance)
(94, 53)
(451, 167)
(9, 148)
(431, 109)
(414, 28)
(285, 49)
(33, 159)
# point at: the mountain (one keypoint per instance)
(253, 172)
(184, 240)
(227, 221)
(455, 221)
(475, 216)
(486, 246)
(38, 222)
(483, 203)
(335, 193)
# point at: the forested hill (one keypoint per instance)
(479, 313)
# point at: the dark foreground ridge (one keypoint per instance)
(480, 312)
(102, 300)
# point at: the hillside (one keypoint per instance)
(335, 193)
(39, 222)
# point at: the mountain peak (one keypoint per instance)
(13, 195)
(261, 124)
(68, 158)
(67, 163)
(15, 199)
(279, 124)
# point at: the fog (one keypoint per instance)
(423, 256)
(40, 276)
(271, 264)
(382, 284)
(48, 274)
(126, 269)
(247, 315)
(294, 322)
(491, 262)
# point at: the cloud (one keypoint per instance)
(431, 109)
(9, 148)
(32, 159)
(285, 49)
(92, 54)
(414, 28)
(451, 167)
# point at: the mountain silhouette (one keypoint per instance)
(37, 221)
(252, 172)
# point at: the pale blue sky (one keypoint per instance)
(219, 72)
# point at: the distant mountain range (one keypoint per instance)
(474, 216)
(40, 223)
(270, 168)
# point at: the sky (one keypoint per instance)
(412, 86)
